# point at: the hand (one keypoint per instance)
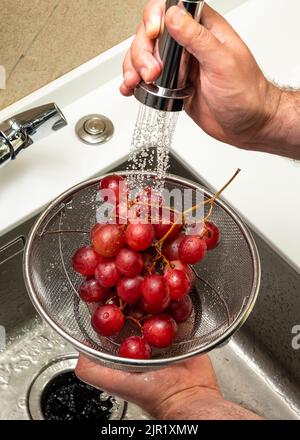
(188, 390)
(232, 100)
(156, 390)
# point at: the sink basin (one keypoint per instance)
(258, 368)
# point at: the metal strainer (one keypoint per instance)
(225, 292)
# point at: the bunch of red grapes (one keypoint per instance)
(141, 273)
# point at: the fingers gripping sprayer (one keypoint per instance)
(170, 90)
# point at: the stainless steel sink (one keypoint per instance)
(258, 368)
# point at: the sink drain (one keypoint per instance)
(57, 394)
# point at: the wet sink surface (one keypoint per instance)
(258, 368)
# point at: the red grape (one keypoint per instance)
(129, 289)
(91, 291)
(108, 320)
(129, 262)
(112, 183)
(211, 236)
(139, 236)
(85, 261)
(166, 222)
(135, 347)
(149, 309)
(156, 294)
(171, 250)
(177, 264)
(160, 330)
(95, 229)
(192, 249)
(107, 273)
(108, 241)
(179, 283)
(181, 310)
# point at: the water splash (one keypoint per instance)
(151, 143)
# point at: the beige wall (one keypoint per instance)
(41, 40)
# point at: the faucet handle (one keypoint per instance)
(5, 151)
(21, 130)
(40, 121)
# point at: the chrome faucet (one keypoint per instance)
(20, 131)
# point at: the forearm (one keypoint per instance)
(281, 133)
(199, 405)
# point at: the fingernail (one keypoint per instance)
(152, 26)
(177, 16)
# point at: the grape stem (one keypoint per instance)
(122, 305)
(210, 201)
(111, 298)
(135, 321)
(217, 195)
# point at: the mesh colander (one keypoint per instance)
(226, 288)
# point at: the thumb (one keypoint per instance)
(198, 40)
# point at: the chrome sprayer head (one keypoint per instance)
(172, 87)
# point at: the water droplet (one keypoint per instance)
(104, 396)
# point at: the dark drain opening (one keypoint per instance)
(65, 397)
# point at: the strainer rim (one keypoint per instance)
(97, 355)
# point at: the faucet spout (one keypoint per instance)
(21, 130)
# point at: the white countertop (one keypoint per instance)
(266, 193)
